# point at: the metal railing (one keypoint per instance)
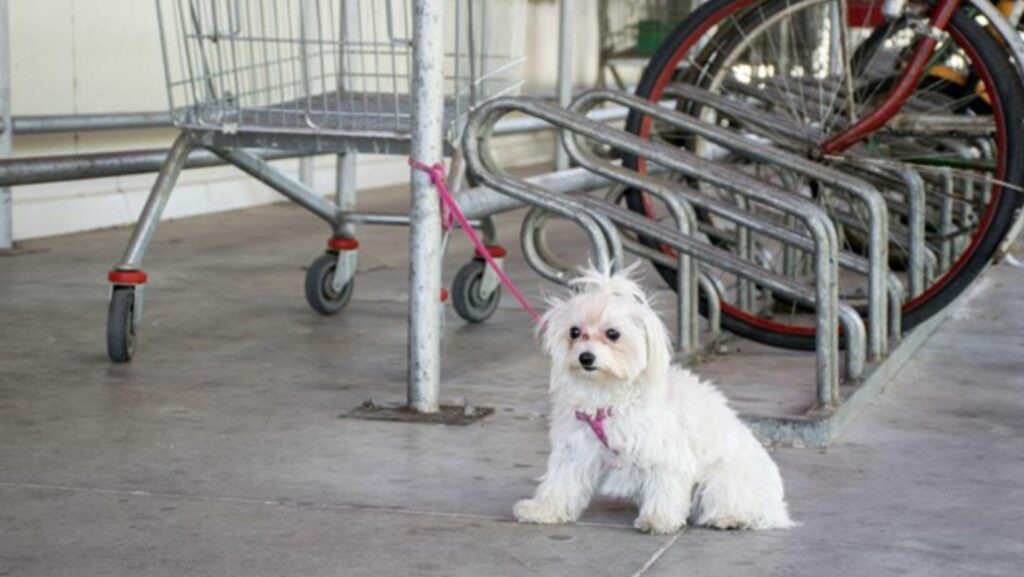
(593, 214)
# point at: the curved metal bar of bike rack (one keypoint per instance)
(820, 227)
(731, 212)
(773, 124)
(731, 263)
(615, 256)
(814, 218)
(878, 214)
(536, 251)
(713, 292)
(922, 263)
(712, 287)
(481, 163)
(687, 272)
(916, 201)
(531, 241)
(662, 188)
(538, 235)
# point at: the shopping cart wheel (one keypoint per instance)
(121, 324)
(320, 292)
(469, 301)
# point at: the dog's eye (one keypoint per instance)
(612, 334)
(574, 333)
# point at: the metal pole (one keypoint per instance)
(38, 170)
(917, 202)
(345, 163)
(65, 123)
(425, 227)
(565, 55)
(525, 124)
(946, 219)
(155, 203)
(262, 171)
(307, 171)
(345, 190)
(62, 123)
(6, 208)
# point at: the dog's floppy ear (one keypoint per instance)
(552, 331)
(545, 328)
(659, 355)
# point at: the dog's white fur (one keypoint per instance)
(675, 446)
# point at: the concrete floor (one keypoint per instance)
(219, 451)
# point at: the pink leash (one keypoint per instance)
(451, 209)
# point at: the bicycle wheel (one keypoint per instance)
(782, 57)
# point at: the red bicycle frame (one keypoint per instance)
(904, 87)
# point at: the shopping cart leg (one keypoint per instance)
(476, 289)
(127, 280)
(328, 283)
(345, 191)
(343, 246)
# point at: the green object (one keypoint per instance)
(650, 34)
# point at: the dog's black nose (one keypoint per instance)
(587, 359)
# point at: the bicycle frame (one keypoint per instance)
(943, 12)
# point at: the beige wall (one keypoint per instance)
(90, 56)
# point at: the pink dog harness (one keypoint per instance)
(596, 424)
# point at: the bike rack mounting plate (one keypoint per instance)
(459, 415)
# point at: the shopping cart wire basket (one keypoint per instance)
(311, 76)
(271, 73)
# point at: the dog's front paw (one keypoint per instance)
(534, 511)
(658, 525)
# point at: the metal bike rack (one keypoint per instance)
(879, 278)
(542, 259)
(829, 312)
(872, 193)
(922, 261)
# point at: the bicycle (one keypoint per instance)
(922, 90)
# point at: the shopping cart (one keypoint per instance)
(312, 77)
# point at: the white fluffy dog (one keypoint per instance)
(627, 424)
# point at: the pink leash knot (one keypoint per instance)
(450, 210)
(597, 425)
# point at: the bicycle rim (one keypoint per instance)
(740, 49)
